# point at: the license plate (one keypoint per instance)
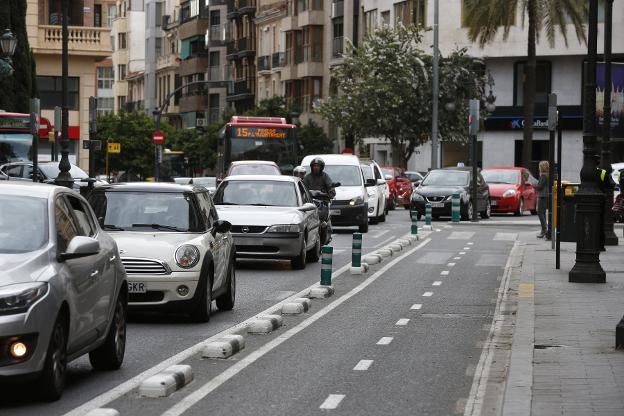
(494, 203)
(437, 205)
(136, 287)
(334, 212)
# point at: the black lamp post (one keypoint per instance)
(64, 178)
(610, 239)
(8, 43)
(589, 198)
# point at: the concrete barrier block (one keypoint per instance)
(265, 324)
(321, 292)
(395, 248)
(404, 243)
(103, 412)
(427, 227)
(224, 347)
(359, 270)
(307, 303)
(166, 382)
(372, 258)
(296, 307)
(384, 252)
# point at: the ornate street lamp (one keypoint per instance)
(491, 98)
(8, 43)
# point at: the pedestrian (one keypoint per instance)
(542, 198)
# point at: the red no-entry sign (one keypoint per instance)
(158, 137)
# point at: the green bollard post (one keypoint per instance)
(455, 207)
(356, 250)
(414, 217)
(326, 265)
(428, 214)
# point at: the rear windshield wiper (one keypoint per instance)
(112, 227)
(159, 227)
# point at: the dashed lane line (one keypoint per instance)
(470, 243)
(363, 365)
(402, 322)
(332, 401)
(385, 340)
(436, 283)
(444, 273)
(196, 396)
(456, 258)
(466, 248)
(427, 294)
(416, 306)
(462, 252)
(451, 265)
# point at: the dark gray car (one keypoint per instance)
(62, 287)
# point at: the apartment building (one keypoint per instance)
(219, 72)
(167, 51)
(89, 43)
(241, 54)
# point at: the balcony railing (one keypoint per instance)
(240, 46)
(338, 47)
(264, 63)
(215, 73)
(217, 33)
(237, 7)
(278, 60)
(312, 53)
(82, 40)
(246, 86)
(337, 9)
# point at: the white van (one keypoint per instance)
(350, 207)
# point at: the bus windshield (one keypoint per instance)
(15, 147)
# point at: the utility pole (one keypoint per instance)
(436, 87)
(64, 177)
(473, 130)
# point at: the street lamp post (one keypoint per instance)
(610, 239)
(8, 43)
(589, 198)
(435, 89)
(64, 177)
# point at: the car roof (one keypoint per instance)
(149, 187)
(278, 178)
(504, 168)
(334, 159)
(32, 189)
(456, 168)
(30, 162)
(253, 162)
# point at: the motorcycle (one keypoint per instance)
(323, 202)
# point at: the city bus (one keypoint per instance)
(15, 137)
(258, 138)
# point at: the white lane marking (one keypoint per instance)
(461, 235)
(385, 341)
(466, 248)
(470, 243)
(416, 306)
(451, 265)
(363, 365)
(402, 322)
(199, 394)
(505, 236)
(436, 283)
(447, 226)
(428, 294)
(332, 401)
(456, 258)
(386, 241)
(438, 230)
(380, 233)
(444, 273)
(462, 252)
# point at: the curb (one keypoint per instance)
(103, 412)
(297, 306)
(167, 381)
(265, 324)
(321, 292)
(225, 347)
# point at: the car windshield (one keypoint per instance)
(145, 211)
(367, 170)
(260, 193)
(347, 175)
(23, 224)
(51, 170)
(511, 177)
(413, 176)
(387, 172)
(254, 169)
(446, 178)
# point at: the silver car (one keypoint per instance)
(272, 217)
(62, 287)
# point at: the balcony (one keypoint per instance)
(194, 65)
(243, 90)
(264, 63)
(196, 26)
(337, 47)
(238, 8)
(166, 61)
(195, 99)
(216, 35)
(311, 17)
(85, 41)
(337, 9)
(240, 48)
(278, 60)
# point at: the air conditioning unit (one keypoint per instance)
(201, 122)
(166, 19)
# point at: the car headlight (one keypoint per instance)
(509, 192)
(187, 256)
(358, 200)
(284, 228)
(417, 197)
(20, 297)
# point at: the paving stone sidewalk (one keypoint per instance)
(570, 366)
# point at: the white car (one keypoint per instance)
(378, 194)
(177, 254)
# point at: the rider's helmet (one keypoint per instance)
(299, 171)
(317, 161)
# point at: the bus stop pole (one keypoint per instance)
(157, 113)
(552, 126)
(559, 197)
(34, 130)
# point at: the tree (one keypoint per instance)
(200, 149)
(19, 88)
(384, 90)
(485, 18)
(313, 140)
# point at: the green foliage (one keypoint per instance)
(199, 148)
(313, 139)
(385, 91)
(21, 86)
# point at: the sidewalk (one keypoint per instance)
(563, 357)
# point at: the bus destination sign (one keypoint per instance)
(14, 122)
(260, 132)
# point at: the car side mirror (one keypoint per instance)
(416, 183)
(308, 206)
(222, 226)
(370, 182)
(388, 177)
(381, 182)
(336, 184)
(80, 246)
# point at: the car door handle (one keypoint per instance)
(94, 273)
(112, 258)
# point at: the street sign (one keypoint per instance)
(201, 122)
(158, 138)
(86, 144)
(93, 145)
(114, 147)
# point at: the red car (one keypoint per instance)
(400, 187)
(511, 189)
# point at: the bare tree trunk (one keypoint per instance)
(398, 154)
(529, 87)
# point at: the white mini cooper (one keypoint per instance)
(177, 254)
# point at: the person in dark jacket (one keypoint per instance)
(542, 198)
(317, 180)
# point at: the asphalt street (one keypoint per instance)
(152, 339)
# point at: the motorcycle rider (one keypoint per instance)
(299, 172)
(317, 180)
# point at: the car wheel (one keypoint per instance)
(363, 228)
(488, 210)
(203, 309)
(520, 211)
(382, 217)
(52, 381)
(315, 254)
(110, 355)
(226, 301)
(299, 262)
(466, 213)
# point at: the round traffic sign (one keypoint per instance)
(158, 137)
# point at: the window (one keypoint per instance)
(159, 14)
(97, 15)
(121, 72)
(419, 13)
(159, 48)
(66, 227)
(105, 105)
(51, 93)
(542, 82)
(105, 77)
(338, 37)
(215, 17)
(112, 14)
(205, 207)
(121, 102)
(385, 18)
(313, 43)
(85, 227)
(401, 14)
(370, 21)
(122, 41)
